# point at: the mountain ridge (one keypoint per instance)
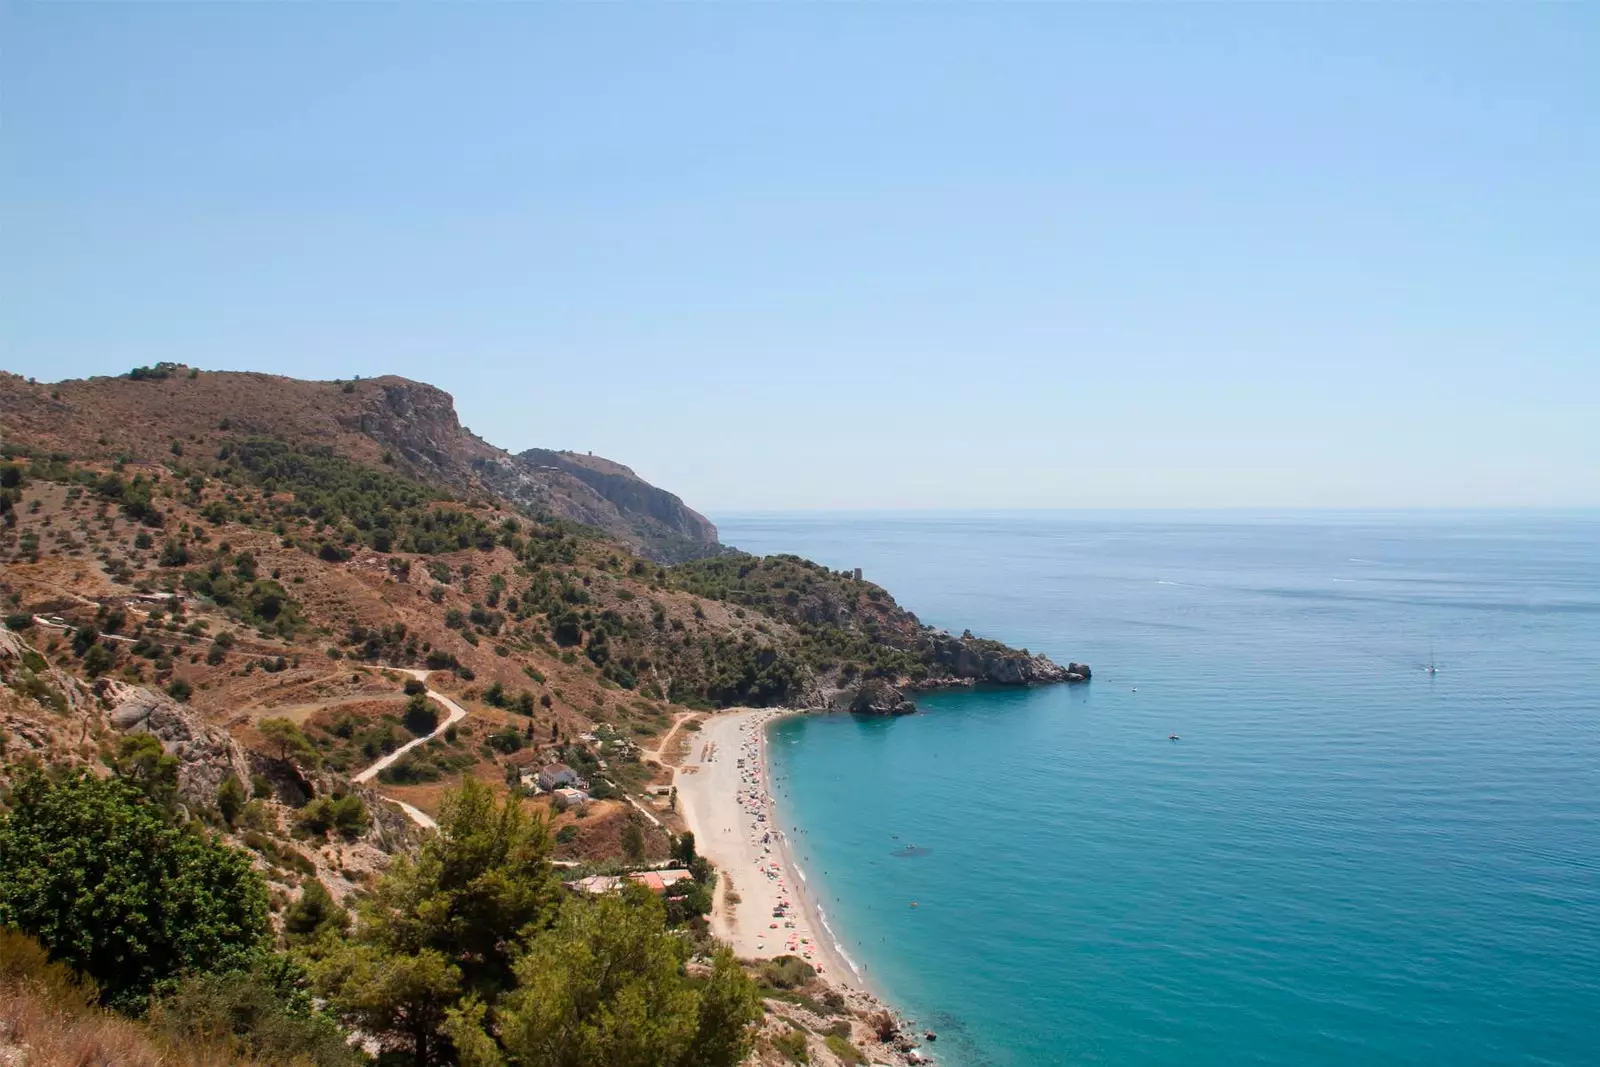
(408, 425)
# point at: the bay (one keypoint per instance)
(1344, 859)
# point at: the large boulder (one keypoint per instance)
(207, 755)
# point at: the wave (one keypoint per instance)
(833, 939)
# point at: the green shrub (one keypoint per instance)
(847, 1053)
(793, 1046)
(421, 715)
(786, 972)
(141, 899)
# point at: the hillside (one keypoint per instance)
(263, 548)
(406, 426)
(247, 595)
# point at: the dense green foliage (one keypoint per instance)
(103, 877)
(468, 953)
(427, 763)
(844, 624)
(357, 504)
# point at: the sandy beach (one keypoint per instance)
(725, 797)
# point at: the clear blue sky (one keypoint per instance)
(851, 255)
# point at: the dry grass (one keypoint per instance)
(49, 1019)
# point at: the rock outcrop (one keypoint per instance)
(207, 755)
(967, 659)
(655, 512)
(876, 697)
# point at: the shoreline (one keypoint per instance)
(731, 810)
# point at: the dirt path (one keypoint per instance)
(456, 714)
(660, 752)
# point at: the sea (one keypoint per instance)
(1341, 858)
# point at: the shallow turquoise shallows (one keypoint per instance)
(1342, 860)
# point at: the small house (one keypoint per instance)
(660, 881)
(569, 798)
(556, 775)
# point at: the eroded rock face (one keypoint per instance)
(207, 755)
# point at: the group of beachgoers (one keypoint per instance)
(756, 803)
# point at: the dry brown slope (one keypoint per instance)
(409, 426)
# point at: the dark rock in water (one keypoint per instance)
(1078, 672)
(877, 697)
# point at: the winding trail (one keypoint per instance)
(456, 714)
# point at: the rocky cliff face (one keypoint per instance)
(419, 421)
(632, 495)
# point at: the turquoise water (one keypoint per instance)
(1343, 860)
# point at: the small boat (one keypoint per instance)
(1172, 737)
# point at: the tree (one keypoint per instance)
(143, 763)
(633, 840)
(314, 913)
(97, 660)
(230, 799)
(105, 881)
(289, 739)
(607, 985)
(683, 848)
(446, 921)
(421, 716)
(567, 629)
(400, 998)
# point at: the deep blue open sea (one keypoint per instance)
(1344, 860)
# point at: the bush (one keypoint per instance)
(313, 913)
(230, 799)
(19, 622)
(345, 813)
(847, 1053)
(264, 1012)
(786, 972)
(421, 715)
(793, 1046)
(508, 740)
(141, 899)
(179, 690)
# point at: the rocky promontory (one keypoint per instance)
(967, 660)
(957, 662)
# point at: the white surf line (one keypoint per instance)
(457, 713)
